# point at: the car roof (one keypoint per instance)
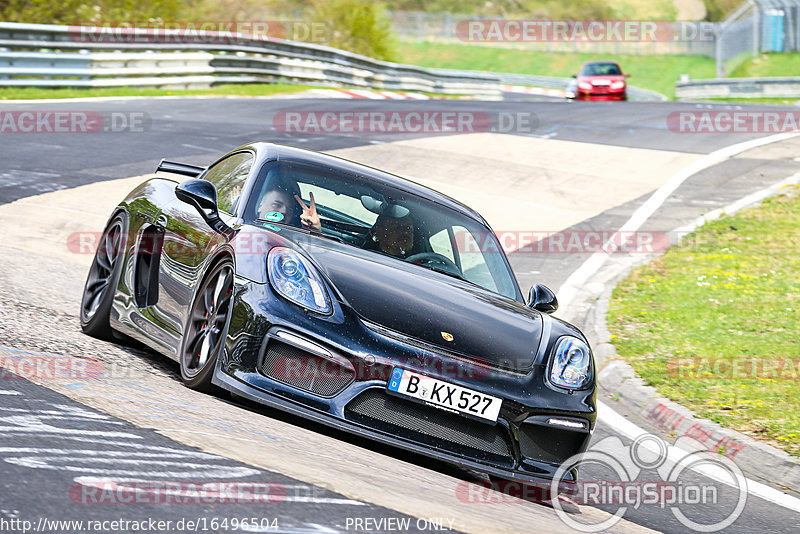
(601, 63)
(274, 151)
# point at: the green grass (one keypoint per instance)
(643, 9)
(694, 322)
(24, 93)
(657, 73)
(784, 64)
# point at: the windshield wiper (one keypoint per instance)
(443, 271)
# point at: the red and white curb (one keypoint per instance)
(532, 90)
(362, 93)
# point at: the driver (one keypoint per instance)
(394, 236)
(279, 200)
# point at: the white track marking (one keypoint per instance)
(176, 453)
(4, 392)
(622, 426)
(581, 275)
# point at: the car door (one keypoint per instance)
(187, 241)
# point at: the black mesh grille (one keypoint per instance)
(550, 444)
(429, 426)
(306, 371)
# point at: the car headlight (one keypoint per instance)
(572, 364)
(586, 86)
(618, 85)
(296, 279)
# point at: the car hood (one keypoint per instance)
(429, 306)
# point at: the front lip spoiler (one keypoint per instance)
(247, 391)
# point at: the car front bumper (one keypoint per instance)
(601, 95)
(341, 381)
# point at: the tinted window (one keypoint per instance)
(601, 69)
(359, 212)
(229, 176)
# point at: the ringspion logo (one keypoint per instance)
(647, 473)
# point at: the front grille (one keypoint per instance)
(429, 426)
(304, 370)
(550, 444)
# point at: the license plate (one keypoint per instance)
(601, 82)
(440, 394)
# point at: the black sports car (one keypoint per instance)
(349, 296)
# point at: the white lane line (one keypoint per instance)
(581, 275)
(620, 425)
(569, 289)
(4, 392)
(187, 145)
(95, 452)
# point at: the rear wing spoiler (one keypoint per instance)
(180, 168)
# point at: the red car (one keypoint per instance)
(598, 80)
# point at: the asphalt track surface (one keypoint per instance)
(41, 428)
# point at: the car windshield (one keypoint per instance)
(357, 211)
(600, 69)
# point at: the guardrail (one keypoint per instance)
(783, 87)
(73, 56)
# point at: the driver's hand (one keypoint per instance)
(309, 218)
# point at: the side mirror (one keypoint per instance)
(627, 74)
(574, 75)
(542, 299)
(203, 196)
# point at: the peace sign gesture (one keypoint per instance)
(309, 218)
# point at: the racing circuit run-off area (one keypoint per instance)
(256, 282)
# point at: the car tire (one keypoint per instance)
(103, 279)
(206, 327)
